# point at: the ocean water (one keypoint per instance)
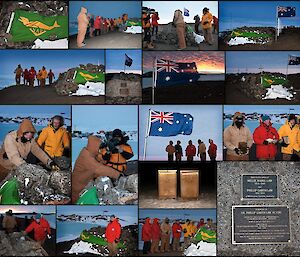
(73, 29)
(68, 230)
(79, 143)
(7, 127)
(251, 124)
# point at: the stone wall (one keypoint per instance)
(229, 194)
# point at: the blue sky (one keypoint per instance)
(166, 9)
(28, 209)
(108, 9)
(254, 13)
(128, 213)
(207, 124)
(34, 110)
(272, 61)
(265, 109)
(104, 117)
(57, 60)
(192, 214)
(115, 60)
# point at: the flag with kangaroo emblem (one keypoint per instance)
(27, 26)
(83, 76)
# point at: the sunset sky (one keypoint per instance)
(207, 62)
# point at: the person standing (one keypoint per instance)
(190, 151)
(9, 222)
(19, 74)
(97, 26)
(40, 227)
(155, 236)
(201, 150)
(206, 23)
(176, 232)
(266, 138)
(91, 25)
(83, 23)
(26, 77)
(154, 23)
(51, 76)
(32, 75)
(201, 223)
(146, 235)
(38, 77)
(212, 150)
(197, 23)
(147, 30)
(179, 23)
(113, 234)
(165, 235)
(187, 230)
(43, 76)
(237, 139)
(215, 25)
(178, 151)
(170, 149)
(289, 136)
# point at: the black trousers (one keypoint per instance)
(146, 247)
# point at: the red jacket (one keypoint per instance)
(262, 133)
(200, 224)
(97, 23)
(176, 230)
(190, 150)
(212, 150)
(32, 73)
(155, 19)
(147, 231)
(155, 230)
(113, 231)
(40, 230)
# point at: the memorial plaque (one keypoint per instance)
(253, 224)
(260, 186)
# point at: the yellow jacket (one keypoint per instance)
(206, 20)
(54, 141)
(43, 74)
(189, 230)
(293, 135)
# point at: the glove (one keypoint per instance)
(54, 166)
(49, 237)
(265, 142)
(283, 144)
(67, 152)
(237, 151)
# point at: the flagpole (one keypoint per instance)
(287, 69)
(153, 79)
(277, 21)
(146, 135)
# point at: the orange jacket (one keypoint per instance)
(206, 20)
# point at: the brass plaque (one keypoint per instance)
(167, 184)
(189, 184)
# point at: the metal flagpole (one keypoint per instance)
(287, 68)
(147, 135)
(154, 80)
(277, 21)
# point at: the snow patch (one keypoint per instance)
(198, 38)
(26, 182)
(47, 44)
(82, 247)
(241, 41)
(90, 88)
(278, 91)
(134, 30)
(201, 249)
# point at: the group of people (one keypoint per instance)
(102, 157)
(90, 25)
(238, 139)
(191, 151)
(164, 234)
(29, 76)
(37, 225)
(21, 146)
(208, 22)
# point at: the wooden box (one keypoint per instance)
(167, 184)
(189, 184)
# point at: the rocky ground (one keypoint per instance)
(129, 235)
(209, 92)
(111, 40)
(250, 91)
(288, 40)
(123, 191)
(47, 8)
(40, 186)
(12, 245)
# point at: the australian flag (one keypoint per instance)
(186, 12)
(286, 11)
(128, 60)
(294, 60)
(175, 73)
(168, 124)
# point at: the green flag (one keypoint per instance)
(251, 34)
(9, 193)
(27, 26)
(206, 235)
(268, 80)
(93, 239)
(89, 197)
(83, 76)
(130, 23)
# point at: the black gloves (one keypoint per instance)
(54, 166)
(283, 144)
(237, 151)
(67, 152)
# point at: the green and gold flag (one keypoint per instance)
(83, 76)
(206, 235)
(27, 26)
(130, 23)
(250, 34)
(269, 80)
